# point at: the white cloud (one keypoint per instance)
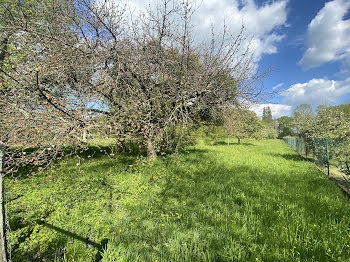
(316, 92)
(261, 22)
(277, 86)
(328, 37)
(277, 110)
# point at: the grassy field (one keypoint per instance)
(258, 201)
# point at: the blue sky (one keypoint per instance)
(317, 25)
(305, 42)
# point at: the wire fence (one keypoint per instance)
(324, 152)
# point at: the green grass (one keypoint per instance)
(258, 201)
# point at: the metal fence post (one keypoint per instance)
(327, 151)
(3, 243)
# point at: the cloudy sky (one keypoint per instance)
(306, 43)
(309, 50)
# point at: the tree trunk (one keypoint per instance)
(3, 243)
(228, 140)
(179, 141)
(239, 140)
(151, 150)
(84, 136)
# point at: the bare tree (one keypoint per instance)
(43, 107)
(155, 75)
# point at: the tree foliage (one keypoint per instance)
(267, 116)
(330, 122)
(303, 117)
(285, 126)
(241, 122)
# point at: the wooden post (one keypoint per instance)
(3, 244)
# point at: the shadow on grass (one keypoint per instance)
(292, 157)
(96, 152)
(100, 247)
(223, 143)
(206, 194)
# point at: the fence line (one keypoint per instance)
(3, 243)
(314, 149)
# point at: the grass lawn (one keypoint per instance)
(258, 201)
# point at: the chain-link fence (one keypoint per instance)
(324, 152)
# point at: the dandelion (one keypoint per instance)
(120, 230)
(54, 191)
(156, 260)
(315, 225)
(67, 190)
(162, 225)
(256, 259)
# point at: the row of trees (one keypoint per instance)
(332, 122)
(327, 121)
(239, 122)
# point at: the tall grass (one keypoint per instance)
(258, 201)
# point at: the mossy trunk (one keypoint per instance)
(239, 140)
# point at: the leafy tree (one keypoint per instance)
(267, 116)
(241, 123)
(344, 108)
(303, 120)
(285, 126)
(331, 122)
